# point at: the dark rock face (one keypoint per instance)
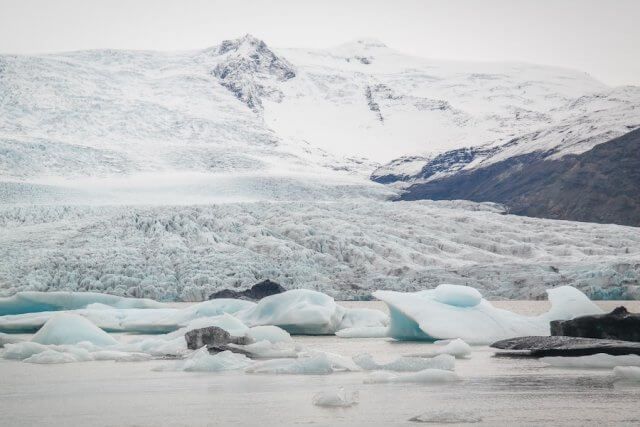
(617, 325)
(213, 337)
(600, 185)
(567, 346)
(257, 291)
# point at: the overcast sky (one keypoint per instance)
(600, 37)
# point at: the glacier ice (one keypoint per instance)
(446, 417)
(268, 350)
(298, 311)
(339, 398)
(627, 373)
(33, 302)
(65, 328)
(406, 364)
(431, 376)
(419, 316)
(594, 361)
(457, 348)
(8, 339)
(52, 357)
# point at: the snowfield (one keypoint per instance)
(346, 249)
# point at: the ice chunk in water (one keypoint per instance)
(33, 302)
(406, 364)
(419, 316)
(336, 399)
(66, 328)
(457, 348)
(52, 357)
(22, 350)
(459, 296)
(270, 333)
(299, 311)
(434, 376)
(8, 339)
(627, 373)
(594, 361)
(318, 364)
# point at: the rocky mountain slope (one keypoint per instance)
(600, 185)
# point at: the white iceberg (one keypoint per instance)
(336, 399)
(32, 302)
(64, 328)
(406, 364)
(8, 339)
(420, 316)
(446, 417)
(268, 350)
(593, 361)
(298, 311)
(430, 376)
(457, 348)
(54, 357)
(627, 373)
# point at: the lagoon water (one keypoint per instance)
(496, 390)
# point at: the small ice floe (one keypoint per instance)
(270, 333)
(202, 361)
(406, 364)
(267, 350)
(594, 361)
(426, 376)
(446, 417)
(627, 374)
(8, 339)
(339, 398)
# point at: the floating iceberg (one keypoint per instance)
(457, 348)
(446, 417)
(299, 311)
(8, 339)
(33, 302)
(424, 316)
(267, 350)
(336, 399)
(53, 357)
(64, 328)
(627, 373)
(594, 361)
(406, 364)
(434, 376)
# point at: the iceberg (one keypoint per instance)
(53, 357)
(336, 399)
(432, 376)
(298, 311)
(67, 328)
(8, 339)
(457, 348)
(33, 302)
(268, 350)
(424, 316)
(406, 364)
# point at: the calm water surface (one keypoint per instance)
(500, 391)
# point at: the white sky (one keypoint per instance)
(599, 37)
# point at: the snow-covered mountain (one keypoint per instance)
(280, 144)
